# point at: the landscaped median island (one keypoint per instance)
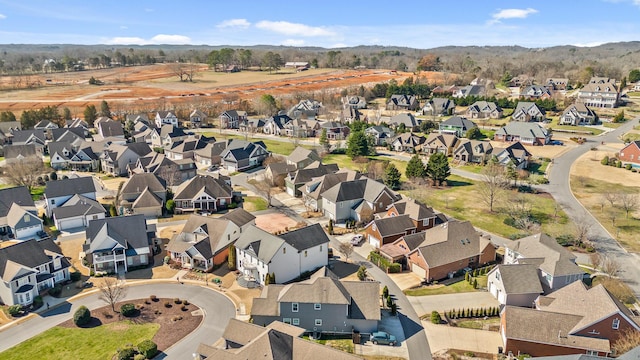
(161, 321)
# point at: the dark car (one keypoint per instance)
(383, 338)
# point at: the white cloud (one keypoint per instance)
(3, 16)
(293, 42)
(338, 45)
(293, 29)
(234, 23)
(589, 44)
(158, 39)
(170, 39)
(511, 14)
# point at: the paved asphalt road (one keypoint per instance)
(561, 191)
(217, 308)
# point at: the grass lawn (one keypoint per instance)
(461, 286)
(346, 162)
(254, 203)
(282, 146)
(554, 125)
(630, 136)
(476, 169)
(612, 125)
(487, 134)
(37, 192)
(477, 324)
(463, 201)
(538, 167)
(100, 342)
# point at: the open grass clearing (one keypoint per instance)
(283, 146)
(555, 126)
(461, 286)
(344, 161)
(478, 324)
(254, 203)
(99, 342)
(37, 192)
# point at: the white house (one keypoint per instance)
(515, 284)
(77, 212)
(57, 192)
(284, 257)
(166, 117)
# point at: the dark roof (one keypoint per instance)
(29, 253)
(15, 151)
(138, 182)
(67, 134)
(239, 217)
(111, 128)
(128, 231)
(394, 225)
(216, 188)
(23, 135)
(141, 149)
(305, 175)
(461, 122)
(76, 206)
(16, 195)
(307, 237)
(64, 187)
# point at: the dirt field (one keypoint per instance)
(71, 249)
(588, 166)
(274, 222)
(155, 85)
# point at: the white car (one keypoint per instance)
(356, 240)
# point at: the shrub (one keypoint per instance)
(14, 310)
(184, 308)
(148, 348)
(185, 301)
(385, 292)
(435, 317)
(81, 316)
(389, 301)
(126, 353)
(167, 304)
(394, 309)
(362, 273)
(153, 298)
(395, 268)
(128, 310)
(139, 357)
(55, 291)
(37, 302)
(75, 276)
(177, 301)
(628, 166)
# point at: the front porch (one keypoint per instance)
(110, 262)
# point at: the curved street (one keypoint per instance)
(217, 308)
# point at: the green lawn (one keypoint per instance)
(100, 342)
(463, 201)
(477, 324)
(282, 146)
(538, 167)
(346, 162)
(37, 192)
(487, 134)
(554, 125)
(254, 203)
(461, 286)
(630, 136)
(612, 125)
(476, 169)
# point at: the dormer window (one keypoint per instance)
(616, 324)
(27, 218)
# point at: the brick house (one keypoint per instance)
(423, 217)
(386, 230)
(630, 153)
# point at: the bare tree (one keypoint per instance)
(609, 265)
(185, 71)
(582, 227)
(595, 260)
(629, 202)
(112, 291)
(346, 248)
(265, 189)
(23, 172)
(493, 184)
(630, 339)
(611, 197)
(170, 174)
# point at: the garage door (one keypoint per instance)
(493, 290)
(502, 297)
(70, 223)
(418, 270)
(374, 241)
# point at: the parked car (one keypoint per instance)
(383, 338)
(356, 240)
(330, 253)
(213, 168)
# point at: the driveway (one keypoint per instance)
(443, 337)
(217, 309)
(426, 304)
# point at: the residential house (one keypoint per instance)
(142, 118)
(242, 218)
(295, 180)
(572, 320)
(323, 303)
(203, 243)
(173, 172)
(535, 92)
(423, 216)
(302, 157)
(356, 199)
(58, 192)
(630, 153)
(407, 120)
(313, 189)
(354, 102)
(185, 149)
(86, 156)
(116, 159)
(440, 143)
(7, 129)
(275, 124)
(75, 135)
(197, 118)
(202, 193)
(527, 111)
(456, 125)
(285, 257)
(515, 154)
(386, 230)
(14, 153)
(600, 93)
(469, 90)
(276, 173)
(448, 249)
(408, 142)
(231, 119)
(515, 284)
(252, 126)
(306, 109)
(166, 135)
(242, 340)
(240, 155)
(381, 134)
(301, 128)
(77, 212)
(166, 117)
(115, 244)
(439, 107)
(29, 267)
(210, 154)
(484, 110)
(577, 114)
(335, 130)
(473, 151)
(402, 102)
(76, 123)
(556, 265)
(99, 120)
(112, 128)
(557, 83)
(521, 80)
(45, 125)
(30, 137)
(298, 65)
(144, 193)
(18, 215)
(526, 133)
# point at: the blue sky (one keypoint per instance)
(328, 23)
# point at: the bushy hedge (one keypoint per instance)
(82, 316)
(14, 310)
(148, 348)
(473, 313)
(126, 353)
(435, 317)
(128, 310)
(75, 275)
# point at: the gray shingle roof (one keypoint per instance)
(239, 216)
(306, 237)
(216, 188)
(393, 225)
(63, 187)
(263, 244)
(16, 151)
(363, 188)
(78, 205)
(17, 195)
(519, 278)
(29, 253)
(300, 154)
(128, 231)
(523, 129)
(554, 259)
(138, 182)
(460, 122)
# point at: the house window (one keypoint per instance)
(284, 250)
(286, 320)
(95, 217)
(294, 307)
(129, 261)
(318, 322)
(616, 324)
(317, 306)
(53, 201)
(305, 253)
(26, 218)
(320, 248)
(296, 321)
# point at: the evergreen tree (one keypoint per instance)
(512, 173)
(357, 145)
(267, 279)
(90, 114)
(324, 141)
(7, 116)
(104, 109)
(66, 113)
(474, 133)
(231, 260)
(392, 177)
(330, 227)
(438, 168)
(415, 168)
